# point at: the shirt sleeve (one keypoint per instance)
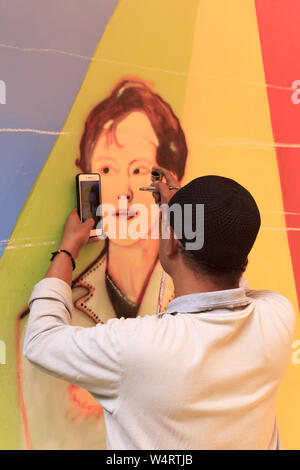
(87, 357)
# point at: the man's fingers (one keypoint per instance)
(94, 239)
(156, 197)
(89, 222)
(163, 190)
(74, 214)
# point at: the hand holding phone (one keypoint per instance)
(76, 234)
(88, 189)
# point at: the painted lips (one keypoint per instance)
(125, 214)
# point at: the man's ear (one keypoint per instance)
(173, 245)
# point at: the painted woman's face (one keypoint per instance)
(124, 160)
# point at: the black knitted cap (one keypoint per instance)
(231, 220)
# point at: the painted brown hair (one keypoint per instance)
(126, 97)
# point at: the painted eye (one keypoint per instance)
(105, 170)
(141, 170)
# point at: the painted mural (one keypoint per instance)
(168, 83)
(124, 136)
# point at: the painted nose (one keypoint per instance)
(128, 195)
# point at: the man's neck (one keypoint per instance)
(187, 283)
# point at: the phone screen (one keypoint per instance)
(90, 200)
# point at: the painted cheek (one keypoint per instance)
(138, 181)
(108, 190)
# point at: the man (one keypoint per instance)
(202, 375)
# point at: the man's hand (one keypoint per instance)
(76, 233)
(164, 193)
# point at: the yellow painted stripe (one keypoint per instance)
(226, 115)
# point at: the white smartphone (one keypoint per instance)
(88, 190)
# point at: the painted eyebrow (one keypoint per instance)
(141, 160)
(106, 158)
(116, 160)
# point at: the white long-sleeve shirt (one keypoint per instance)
(202, 375)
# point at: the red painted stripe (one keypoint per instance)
(279, 29)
